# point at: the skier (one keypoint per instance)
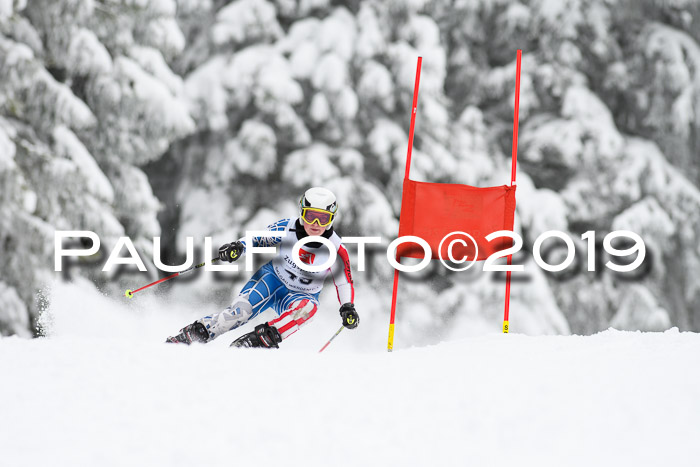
(280, 284)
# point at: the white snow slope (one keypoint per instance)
(612, 399)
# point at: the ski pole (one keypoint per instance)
(130, 293)
(331, 339)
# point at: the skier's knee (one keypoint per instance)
(235, 315)
(240, 309)
(303, 310)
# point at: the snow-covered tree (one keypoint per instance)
(86, 98)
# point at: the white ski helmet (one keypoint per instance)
(318, 206)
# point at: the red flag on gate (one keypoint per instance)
(433, 210)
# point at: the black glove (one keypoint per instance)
(263, 335)
(231, 251)
(349, 316)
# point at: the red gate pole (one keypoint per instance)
(390, 345)
(514, 160)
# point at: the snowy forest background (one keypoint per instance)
(179, 118)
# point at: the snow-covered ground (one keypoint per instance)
(121, 397)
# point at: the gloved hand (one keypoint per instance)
(231, 251)
(349, 316)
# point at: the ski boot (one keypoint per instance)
(195, 332)
(264, 336)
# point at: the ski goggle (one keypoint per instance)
(317, 216)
